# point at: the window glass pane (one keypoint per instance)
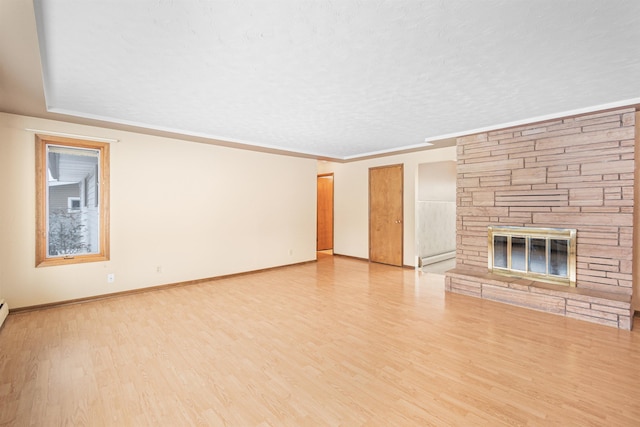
(500, 251)
(518, 248)
(73, 212)
(542, 254)
(537, 256)
(558, 257)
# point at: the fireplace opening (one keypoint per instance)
(544, 254)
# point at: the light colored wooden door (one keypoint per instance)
(325, 212)
(386, 214)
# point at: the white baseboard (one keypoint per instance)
(437, 258)
(4, 311)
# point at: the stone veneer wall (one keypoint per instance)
(576, 172)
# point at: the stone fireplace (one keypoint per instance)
(576, 173)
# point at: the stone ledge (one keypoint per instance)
(606, 308)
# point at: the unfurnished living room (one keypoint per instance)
(317, 213)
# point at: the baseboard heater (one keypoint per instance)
(437, 258)
(4, 311)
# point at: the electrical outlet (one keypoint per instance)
(159, 269)
(111, 278)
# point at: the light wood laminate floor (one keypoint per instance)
(337, 342)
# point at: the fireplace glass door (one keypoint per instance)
(542, 254)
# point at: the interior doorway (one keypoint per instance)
(386, 228)
(436, 216)
(324, 236)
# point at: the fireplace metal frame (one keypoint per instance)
(537, 233)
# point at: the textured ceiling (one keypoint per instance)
(335, 79)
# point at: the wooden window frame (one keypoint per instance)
(42, 260)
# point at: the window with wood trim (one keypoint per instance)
(72, 201)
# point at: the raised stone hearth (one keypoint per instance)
(594, 306)
(573, 173)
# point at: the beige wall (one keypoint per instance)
(195, 210)
(351, 195)
(437, 181)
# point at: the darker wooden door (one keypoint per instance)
(324, 239)
(386, 214)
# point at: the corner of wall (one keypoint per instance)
(3, 196)
(635, 296)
